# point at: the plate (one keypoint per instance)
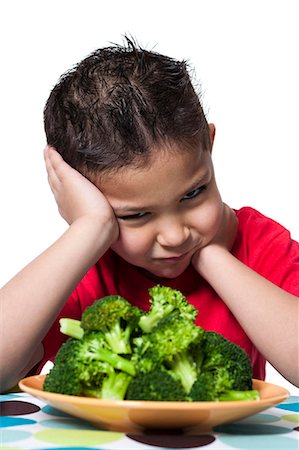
(135, 416)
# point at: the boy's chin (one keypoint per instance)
(158, 274)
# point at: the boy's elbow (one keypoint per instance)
(10, 376)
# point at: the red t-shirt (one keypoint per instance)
(261, 243)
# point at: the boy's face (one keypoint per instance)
(166, 211)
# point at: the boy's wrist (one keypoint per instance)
(209, 259)
(99, 232)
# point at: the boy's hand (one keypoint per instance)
(75, 195)
(225, 237)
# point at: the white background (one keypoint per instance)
(245, 56)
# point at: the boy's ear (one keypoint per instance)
(212, 134)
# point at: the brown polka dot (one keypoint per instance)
(173, 440)
(17, 408)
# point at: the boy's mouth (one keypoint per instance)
(173, 259)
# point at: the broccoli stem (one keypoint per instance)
(185, 368)
(115, 386)
(151, 319)
(118, 339)
(116, 361)
(71, 327)
(239, 395)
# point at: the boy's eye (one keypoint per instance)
(194, 193)
(139, 215)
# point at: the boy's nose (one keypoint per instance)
(173, 235)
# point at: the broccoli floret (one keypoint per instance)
(157, 385)
(220, 352)
(210, 385)
(216, 386)
(69, 373)
(116, 318)
(81, 365)
(112, 386)
(163, 301)
(225, 372)
(167, 343)
(95, 348)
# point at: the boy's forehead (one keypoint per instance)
(172, 173)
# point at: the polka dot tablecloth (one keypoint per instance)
(29, 423)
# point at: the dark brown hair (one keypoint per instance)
(113, 107)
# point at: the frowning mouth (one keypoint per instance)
(173, 259)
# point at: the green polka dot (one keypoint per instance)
(77, 437)
(291, 418)
(11, 448)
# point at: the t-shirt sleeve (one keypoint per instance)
(272, 252)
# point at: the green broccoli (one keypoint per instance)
(116, 318)
(157, 385)
(225, 372)
(216, 386)
(71, 327)
(82, 365)
(119, 352)
(166, 345)
(220, 352)
(64, 377)
(163, 301)
(111, 386)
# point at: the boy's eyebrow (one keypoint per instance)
(132, 209)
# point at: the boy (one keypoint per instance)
(133, 177)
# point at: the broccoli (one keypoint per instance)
(87, 365)
(65, 376)
(169, 345)
(71, 327)
(112, 386)
(119, 352)
(216, 386)
(157, 385)
(116, 318)
(220, 352)
(225, 372)
(163, 301)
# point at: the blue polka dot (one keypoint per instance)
(67, 423)
(251, 429)
(259, 442)
(291, 399)
(5, 397)
(13, 435)
(260, 418)
(14, 421)
(54, 412)
(289, 406)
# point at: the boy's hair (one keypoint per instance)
(120, 102)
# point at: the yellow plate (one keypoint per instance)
(135, 416)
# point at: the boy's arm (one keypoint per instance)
(31, 301)
(267, 313)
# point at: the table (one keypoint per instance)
(29, 423)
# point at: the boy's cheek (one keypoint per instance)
(127, 246)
